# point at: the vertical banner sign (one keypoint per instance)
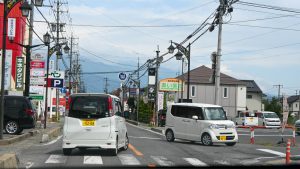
(19, 73)
(51, 65)
(8, 61)
(151, 84)
(160, 101)
(285, 108)
(11, 27)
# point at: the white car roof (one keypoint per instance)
(196, 104)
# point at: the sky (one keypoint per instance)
(256, 44)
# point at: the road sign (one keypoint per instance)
(170, 84)
(37, 97)
(122, 76)
(57, 83)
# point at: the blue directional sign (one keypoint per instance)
(122, 76)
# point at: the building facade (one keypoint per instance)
(202, 90)
(254, 96)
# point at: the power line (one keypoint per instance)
(265, 27)
(293, 10)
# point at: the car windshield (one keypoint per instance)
(215, 113)
(270, 115)
(89, 107)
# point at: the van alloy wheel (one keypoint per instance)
(12, 127)
(206, 140)
(170, 136)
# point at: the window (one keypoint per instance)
(214, 113)
(193, 91)
(249, 96)
(225, 92)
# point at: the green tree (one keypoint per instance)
(273, 105)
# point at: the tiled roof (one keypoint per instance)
(252, 86)
(202, 74)
(292, 99)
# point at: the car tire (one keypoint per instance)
(114, 151)
(206, 139)
(20, 130)
(126, 143)
(67, 151)
(170, 136)
(12, 127)
(298, 133)
(230, 144)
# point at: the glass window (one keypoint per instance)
(225, 92)
(270, 115)
(249, 96)
(89, 107)
(215, 113)
(194, 111)
(193, 91)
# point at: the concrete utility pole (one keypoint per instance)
(138, 100)
(70, 68)
(106, 85)
(156, 87)
(218, 58)
(280, 102)
(57, 53)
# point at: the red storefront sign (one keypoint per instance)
(62, 101)
(37, 64)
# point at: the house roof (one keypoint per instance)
(292, 99)
(252, 86)
(202, 74)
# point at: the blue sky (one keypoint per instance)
(257, 44)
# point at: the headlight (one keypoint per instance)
(214, 126)
(231, 126)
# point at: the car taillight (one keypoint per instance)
(68, 105)
(110, 106)
(30, 112)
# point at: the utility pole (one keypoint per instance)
(106, 84)
(218, 58)
(156, 87)
(70, 68)
(279, 100)
(138, 101)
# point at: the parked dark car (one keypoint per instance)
(162, 118)
(19, 114)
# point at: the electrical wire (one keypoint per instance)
(293, 10)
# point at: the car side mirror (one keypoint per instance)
(195, 117)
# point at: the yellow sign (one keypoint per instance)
(171, 84)
(88, 122)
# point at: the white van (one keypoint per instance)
(199, 122)
(268, 119)
(94, 121)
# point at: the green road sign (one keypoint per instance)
(37, 97)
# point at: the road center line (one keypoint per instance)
(273, 152)
(136, 152)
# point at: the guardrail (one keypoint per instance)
(252, 135)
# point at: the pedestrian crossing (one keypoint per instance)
(127, 160)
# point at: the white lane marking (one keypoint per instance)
(53, 141)
(222, 162)
(56, 159)
(162, 161)
(145, 129)
(266, 135)
(92, 160)
(195, 162)
(128, 159)
(29, 165)
(146, 138)
(273, 152)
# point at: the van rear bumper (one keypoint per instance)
(104, 144)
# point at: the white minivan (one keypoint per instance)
(94, 121)
(199, 122)
(268, 119)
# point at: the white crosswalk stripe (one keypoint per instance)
(162, 161)
(92, 160)
(56, 159)
(128, 159)
(195, 162)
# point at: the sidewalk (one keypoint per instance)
(10, 145)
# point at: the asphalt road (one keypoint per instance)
(150, 149)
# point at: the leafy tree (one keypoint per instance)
(273, 105)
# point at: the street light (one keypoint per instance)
(7, 8)
(25, 8)
(183, 51)
(50, 51)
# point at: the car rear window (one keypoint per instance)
(89, 107)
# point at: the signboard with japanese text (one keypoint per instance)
(37, 64)
(11, 27)
(160, 101)
(19, 73)
(37, 97)
(8, 64)
(37, 72)
(37, 56)
(56, 74)
(37, 81)
(171, 84)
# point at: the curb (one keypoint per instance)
(8, 160)
(132, 122)
(18, 138)
(157, 130)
